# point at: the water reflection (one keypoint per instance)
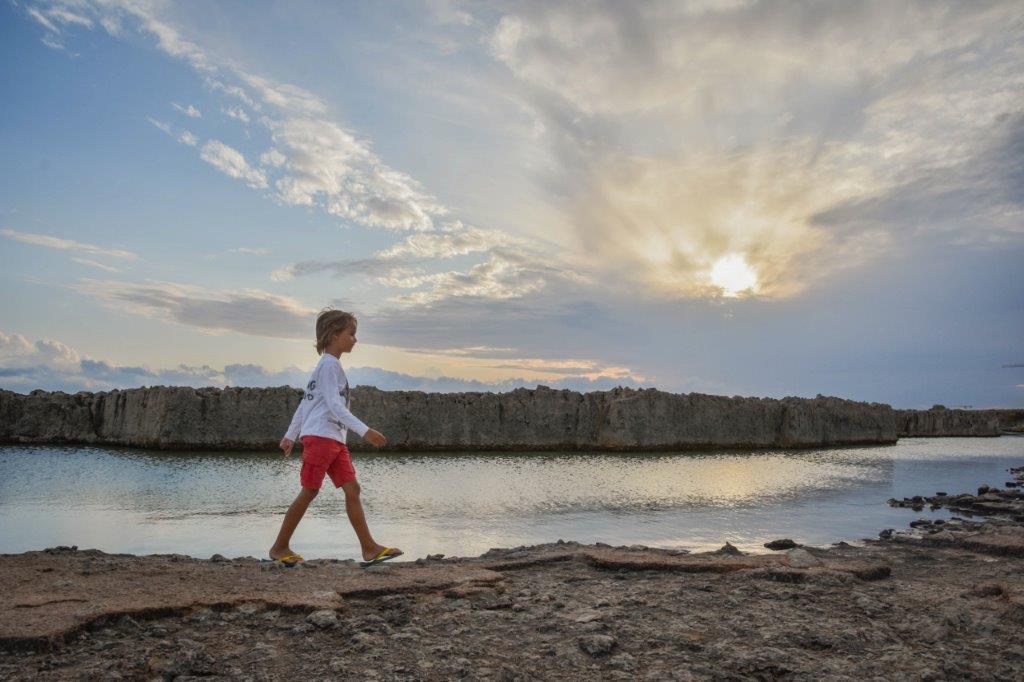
(464, 503)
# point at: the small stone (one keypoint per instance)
(622, 661)
(887, 533)
(801, 558)
(784, 543)
(987, 590)
(362, 639)
(323, 619)
(587, 617)
(597, 645)
(729, 549)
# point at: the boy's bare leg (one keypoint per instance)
(291, 521)
(356, 516)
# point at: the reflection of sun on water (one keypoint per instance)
(733, 275)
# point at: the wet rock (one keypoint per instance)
(597, 645)
(784, 543)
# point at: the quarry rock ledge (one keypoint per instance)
(183, 418)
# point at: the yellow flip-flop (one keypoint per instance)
(381, 557)
(289, 560)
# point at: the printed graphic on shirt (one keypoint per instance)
(309, 387)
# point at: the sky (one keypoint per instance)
(718, 196)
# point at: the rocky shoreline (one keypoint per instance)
(943, 599)
(181, 418)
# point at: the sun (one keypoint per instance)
(733, 275)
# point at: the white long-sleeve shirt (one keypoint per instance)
(324, 407)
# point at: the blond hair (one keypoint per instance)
(330, 322)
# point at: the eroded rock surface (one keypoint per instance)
(940, 421)
(524, 419)
(560, 611)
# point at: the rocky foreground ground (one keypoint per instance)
(943, 600)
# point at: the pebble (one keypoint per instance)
(597, 645)
(587, 617)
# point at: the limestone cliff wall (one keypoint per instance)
(1010, 421)
(524, 419)
(940, 421)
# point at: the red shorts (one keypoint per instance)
(322, 456)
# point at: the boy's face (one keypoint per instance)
(345, 340)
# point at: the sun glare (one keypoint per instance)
(733, 275)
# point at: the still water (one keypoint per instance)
(139, 501)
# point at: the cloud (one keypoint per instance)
(261, 251)
(16, 350)
(67, 244)
(247, 311)
(237, 113)
(95, 264)
(506, 274)
(186, 137)
(454, 240)
(231, 162)
(513, 267)
(324, 164)
(161, 125)
(50, 17)
(55, 366)
(681, 134)
(189, 111)
(397, 381)
(42, 20)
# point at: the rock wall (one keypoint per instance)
(524, 419)
(1010, 421)
(940, 421)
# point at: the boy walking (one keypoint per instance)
(323, 420)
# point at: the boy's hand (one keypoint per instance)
(287, 445)
(375, 438)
